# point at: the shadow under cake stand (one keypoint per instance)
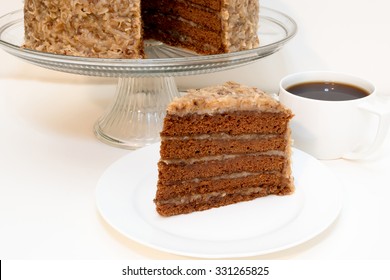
(145, 86)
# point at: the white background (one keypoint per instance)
(50, 161)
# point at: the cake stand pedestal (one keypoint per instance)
(145, 86)
(135, 117)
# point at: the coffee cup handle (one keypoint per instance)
(383, 128)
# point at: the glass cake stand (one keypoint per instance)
(145, 86)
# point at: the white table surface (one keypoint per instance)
(50, 160)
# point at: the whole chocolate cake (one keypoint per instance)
(117, 28)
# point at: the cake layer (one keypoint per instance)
(212, 4)
(219, 184)
(211, 145)
(234, 123)
(208, 5)
(214, 200)
(183, 34)
(169, 172)
(204, 197)
(193, 15)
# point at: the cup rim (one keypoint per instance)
(370, 87)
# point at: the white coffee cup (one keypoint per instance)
(351, 129)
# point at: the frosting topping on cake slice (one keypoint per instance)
(228, 97)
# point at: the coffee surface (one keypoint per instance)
(329, 91)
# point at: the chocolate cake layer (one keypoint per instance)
(202, 186)
(184, 147)
(183, 13)
(211, 168)
(234, 123)
(217, 200)
(212, 4)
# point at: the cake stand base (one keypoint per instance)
(136, 116)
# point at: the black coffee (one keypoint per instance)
(329, 91)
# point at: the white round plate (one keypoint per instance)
(126, 190)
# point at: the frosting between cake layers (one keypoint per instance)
(223, 157)
(222, 136)
(225, 98)
(286, 173)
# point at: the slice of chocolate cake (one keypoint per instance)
(221, 145)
